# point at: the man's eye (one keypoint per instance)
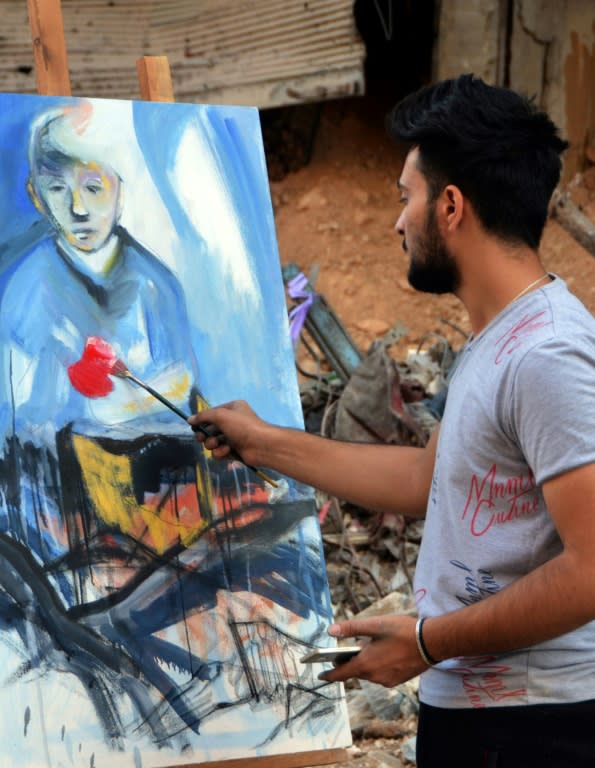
(403, 200)
(57, 187)
(94, 189)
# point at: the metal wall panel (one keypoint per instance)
(259, 52)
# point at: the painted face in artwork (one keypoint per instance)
(432, 268)
(82, 201)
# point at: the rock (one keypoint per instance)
(399, 581)
(359, 709)
(410, 704)
(312, 199)
(408, 749)
(373, 325)
(395, 602)
(383, 729)
(384, 702)
(354, 752)
(361, 195)
(361, 216)
(328, 226)
(384, 759)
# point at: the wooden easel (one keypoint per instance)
(51, 68)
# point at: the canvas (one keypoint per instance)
(154, 603)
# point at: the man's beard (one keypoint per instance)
(431, 267)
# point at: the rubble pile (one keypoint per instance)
(370, 556)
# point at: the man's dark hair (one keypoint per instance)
(492, 143)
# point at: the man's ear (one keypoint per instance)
(452, 207)
(35, 199)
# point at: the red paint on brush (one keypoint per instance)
(91, 374)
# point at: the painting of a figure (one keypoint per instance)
(154, 602)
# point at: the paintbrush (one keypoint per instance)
(120, 370)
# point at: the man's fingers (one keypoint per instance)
(220, 452)
(340, 673)
(212, 424)
(371, 627)
(206, 429)
(210, 436)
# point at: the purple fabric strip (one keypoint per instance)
(297, 315)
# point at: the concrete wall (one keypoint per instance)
(544, 48)
(470, 39)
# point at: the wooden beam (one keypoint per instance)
(292, 760)
(154, 77)
(49, 47)
(574, 221)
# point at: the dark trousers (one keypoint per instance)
(537, 736)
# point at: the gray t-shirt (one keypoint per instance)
(520, 410)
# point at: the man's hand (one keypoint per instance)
(389, 658)
(228, 428)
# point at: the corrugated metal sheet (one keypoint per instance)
(259, 52)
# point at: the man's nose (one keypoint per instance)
(78, 206)
(399, 225)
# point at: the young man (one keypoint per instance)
(505, 581)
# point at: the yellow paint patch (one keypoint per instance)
(157, 524)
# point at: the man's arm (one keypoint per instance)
(554, 599)
(386, 478)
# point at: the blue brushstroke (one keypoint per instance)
(50, 304)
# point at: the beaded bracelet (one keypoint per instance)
(421, 646)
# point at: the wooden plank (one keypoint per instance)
(294, 760)
(49, 47)
(574, 221)
(154, 77)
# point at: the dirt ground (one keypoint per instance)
(335, 219)
(338, 213)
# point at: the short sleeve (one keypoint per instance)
(552, 407)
